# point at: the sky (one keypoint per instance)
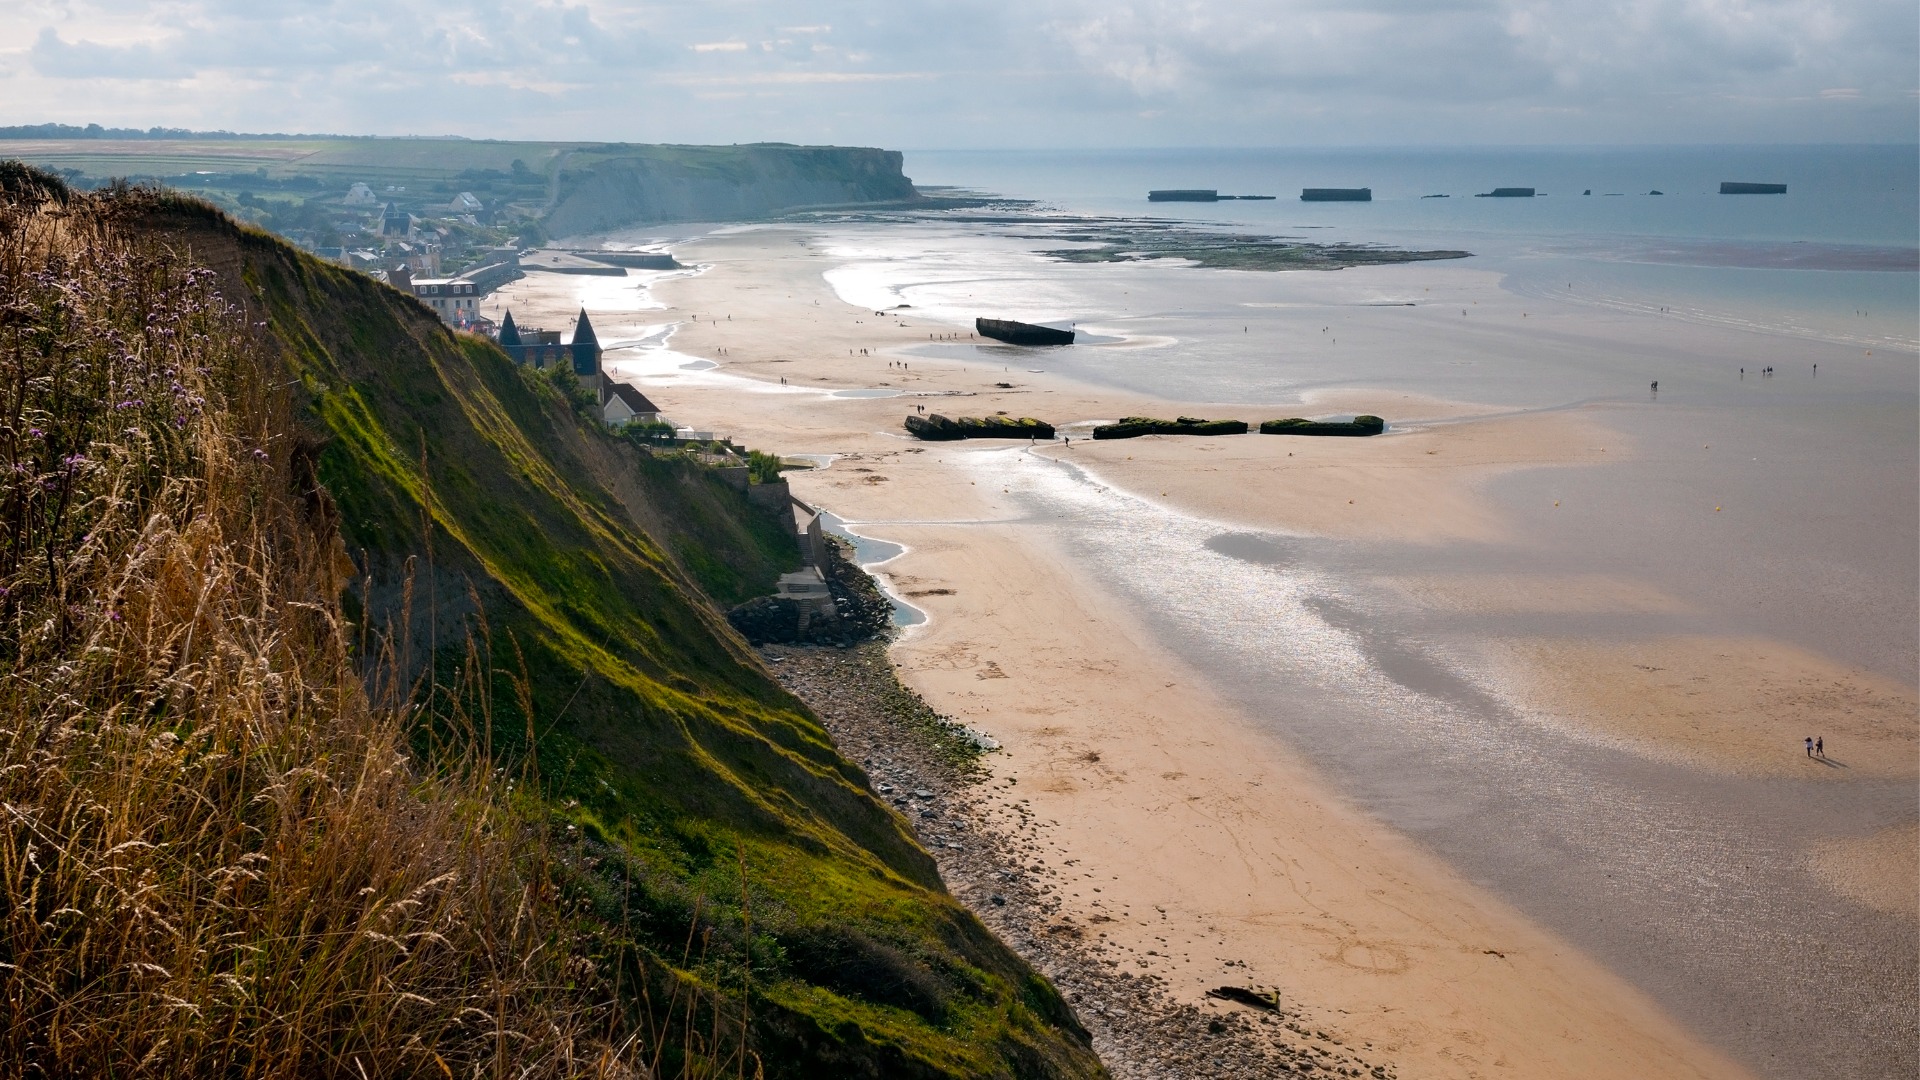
(980, 73)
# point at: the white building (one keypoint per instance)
(455, 300)
(627, 404)
(361, 195)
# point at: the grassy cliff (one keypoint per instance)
(483, 677)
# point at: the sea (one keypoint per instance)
(1644, 228)
(1694, 885)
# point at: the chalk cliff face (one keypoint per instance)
(607, 188)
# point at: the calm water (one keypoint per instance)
(1864, 195)
(1844, 206)
(1692, 886)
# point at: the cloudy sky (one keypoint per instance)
(980, 73)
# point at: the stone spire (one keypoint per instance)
(509, 333)
(586, 352)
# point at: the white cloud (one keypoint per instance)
(977, 72)
(796, 78)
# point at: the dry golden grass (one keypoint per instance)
(220, 856)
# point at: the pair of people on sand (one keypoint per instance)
(1816, 747)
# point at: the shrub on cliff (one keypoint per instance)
(763, 468)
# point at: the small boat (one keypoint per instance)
(1019, 333)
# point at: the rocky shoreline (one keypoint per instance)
(931, 770)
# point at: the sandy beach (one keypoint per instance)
(1180, 828)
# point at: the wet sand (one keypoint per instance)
(1240, 815)
(1880, 870)
(1731, 704)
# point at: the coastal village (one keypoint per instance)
(430, 252)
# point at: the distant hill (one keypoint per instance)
(95, 131)
(565, 188)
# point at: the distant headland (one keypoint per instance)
(313, 189)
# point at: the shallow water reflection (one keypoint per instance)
(1690, 884)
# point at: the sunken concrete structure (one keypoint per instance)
(1019, 333)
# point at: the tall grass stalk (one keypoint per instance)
(220, 855)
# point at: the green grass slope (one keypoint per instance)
(718, 839)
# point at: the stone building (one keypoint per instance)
(543, 348)
(396, 222)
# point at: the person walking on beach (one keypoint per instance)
(1809, 746)
(1656, 386)
(1820, 746)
